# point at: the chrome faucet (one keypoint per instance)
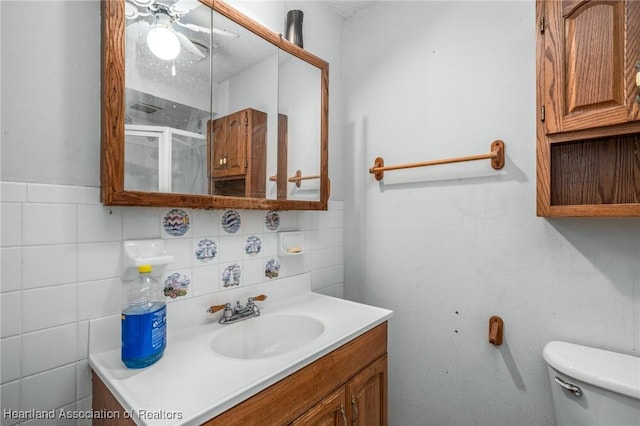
(238, 312)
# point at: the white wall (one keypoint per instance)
(59, 247)
(51, 92)
(446, 247)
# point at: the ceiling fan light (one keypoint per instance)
(163, 42)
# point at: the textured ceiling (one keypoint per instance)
(348, 8)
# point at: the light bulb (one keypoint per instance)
(163, 42)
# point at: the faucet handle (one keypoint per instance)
(216, 308)
(258, 298)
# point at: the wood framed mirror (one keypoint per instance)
(203, 107)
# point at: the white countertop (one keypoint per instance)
(191, 383)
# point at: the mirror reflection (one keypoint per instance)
(168, 96)
(242, 138)
(299, 101)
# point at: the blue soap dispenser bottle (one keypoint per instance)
(144, 321)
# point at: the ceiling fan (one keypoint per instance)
(162, 38)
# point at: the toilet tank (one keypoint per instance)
(593, 387)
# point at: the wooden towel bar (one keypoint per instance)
(297, 178)
(496, 156)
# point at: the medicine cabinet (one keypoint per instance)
(203, 107)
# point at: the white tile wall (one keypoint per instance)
(11, 224)
(49, 307)
(99, 261)
(49, 224)
(49, 390)
(10, 395)
(98, 223)
(49, 265)
(99, 298)
(11, 362)
(57, 344)
(60, 252)
(11, 258)
(11, 313)
(205, 223)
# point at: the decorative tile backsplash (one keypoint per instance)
(176, 285)
(231, 275)
(253, 246)
(244, 254)
(272, 220)
(206, 250)
(176, 222)
(231, 221)
(61, 266)
(272, 268)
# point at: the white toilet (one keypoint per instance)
(593, 387)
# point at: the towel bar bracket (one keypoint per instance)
(378, 164)
(497, 149)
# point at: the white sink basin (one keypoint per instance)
(266, 336)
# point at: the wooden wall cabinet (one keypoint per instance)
(589, 64)
(236, 149)
(588, 121)
(346, 386)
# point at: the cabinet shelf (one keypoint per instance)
(596, 171)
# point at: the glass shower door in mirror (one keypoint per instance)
(168, 47)
(299, 107)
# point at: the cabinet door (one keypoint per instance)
(328, 412)
(229, 136)
(367, 395)
(590, 51)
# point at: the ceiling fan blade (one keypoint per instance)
(200, 29)
(225, 33)
(189, 46)
(182, 7)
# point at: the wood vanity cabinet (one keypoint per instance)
(362, 401)
(330, 411)
(588, 119)
(352, 378)
(236, 149)
(346, 386)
